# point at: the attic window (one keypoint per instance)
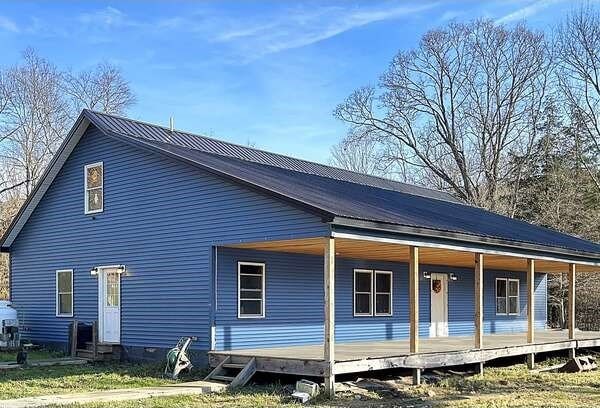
(94, 188)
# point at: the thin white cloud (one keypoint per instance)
(105, 18)
(7, 24)
(295, 28)
(528, 11)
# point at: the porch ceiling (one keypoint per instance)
(384, 251)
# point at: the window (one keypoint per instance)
(64, 293)
(383, 293)
(94, 188)
(363, 292)
(372, 290)
(507, 296)
(251, 290)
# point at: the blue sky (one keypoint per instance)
(269, 73)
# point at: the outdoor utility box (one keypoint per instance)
(309, 387)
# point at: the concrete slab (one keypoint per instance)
(187, 388)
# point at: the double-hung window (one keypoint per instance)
(94, 188)
(372, 293)
(507, 296)
(64, 293)
(251, 290)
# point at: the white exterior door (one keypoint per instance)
(109, 303)
(439, 305)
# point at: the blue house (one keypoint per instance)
(288, 265)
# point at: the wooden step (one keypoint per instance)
(102, 347)
(225, 378)
(100, 355)
(237, 366)
(245, 372)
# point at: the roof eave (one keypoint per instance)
(468, 240)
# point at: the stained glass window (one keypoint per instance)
(94, 188)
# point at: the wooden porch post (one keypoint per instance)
(571, 302)
(478, 301)
(329, 343)
(530, 309)
(413, 280)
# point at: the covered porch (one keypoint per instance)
(433, 352)
(417, 351)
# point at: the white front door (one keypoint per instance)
(109, 304)
(439, 305)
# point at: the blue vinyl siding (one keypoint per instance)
(160, 219)
(294, 302)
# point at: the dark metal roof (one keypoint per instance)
(129, 127)
(340, 196)
(344, 198)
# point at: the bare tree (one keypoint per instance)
(34, 120)
(103, 89)
(456, 107)
(38, 103)
(578, 45)
(362, 155)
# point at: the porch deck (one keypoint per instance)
(378, 355)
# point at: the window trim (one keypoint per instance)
(391, 293)
(507, 298)
(57, 294)
(86, 189)
(239, 299)
(370, 293)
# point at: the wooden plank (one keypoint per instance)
(74, 332)
(329, 343)
(275, 365)
(530, 301)
(95, 339)
(588, 343)
(217, 370)
(478, 301)
(446, 359)
(244, 376)
(413, 298)
(571, 301)
(45, 363)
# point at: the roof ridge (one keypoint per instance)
(327, 166)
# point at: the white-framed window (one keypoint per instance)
(251, 290)
(507, 296)
(64, 293)
(383, 293)
(93, 175)
(372, 292)
(363, 292)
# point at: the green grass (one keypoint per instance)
(497, 388)
(11, 356)
(35, 381)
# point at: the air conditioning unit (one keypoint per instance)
(9, 326)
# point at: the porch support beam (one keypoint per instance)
(478, 301)
(329, 343)
(571, 302)
(530, 310)
(413, 272)
(413, 285)
(530, 301)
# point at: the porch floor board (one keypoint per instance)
(433, 352)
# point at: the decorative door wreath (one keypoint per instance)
(436, 285)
